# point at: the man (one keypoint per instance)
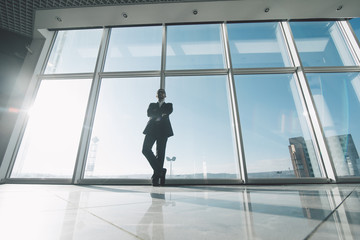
(158, 129)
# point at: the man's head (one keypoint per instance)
(161, 94)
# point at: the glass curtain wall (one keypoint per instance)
(276, 136)
(337, 99)
(204, 141)
(257, 45)
(204, 144)
(335, 94)
(49, 145)
(238, 102)
(194, 47)
(120, 115)
(322, 44)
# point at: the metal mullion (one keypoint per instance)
(317, 134)
(246, 71)
(39, 180)
(271, 181)
(352, 179)
(66, 76)
(52, 44)
(234, 108)
(351, 40)
(169, 182)
(132, 74)
(163, 56)
(355, 41)
(331, 69)
(207, 72)
(90, 111)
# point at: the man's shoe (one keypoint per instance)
(162, 178)
(155, 181)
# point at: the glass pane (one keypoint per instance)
(321, 44)
(74, 51)
(355, 24)
(134, 49)
(337, 99)
(276, 136)
(117, 138)
(203, 141)
(194, 47)
(257, 45)
(50, 143)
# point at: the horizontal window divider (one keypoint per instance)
(169, 182)
(331, 69)
(203, 181)
(199, 72)
(245, 71)
(67, 76)
(348, 180)
(130, 74)
(113, 181)
(39, 180)
(274, 181)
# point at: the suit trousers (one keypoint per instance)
(156, 162)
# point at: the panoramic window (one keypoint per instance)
(129, 50)
(51, 139)
(276, 136)
(117, 138)
(337, 100)
(203, 142)
(257, 45)
(277, 133)
(194, 47)
(74, 51)
(321, 44)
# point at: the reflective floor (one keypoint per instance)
(180, 212)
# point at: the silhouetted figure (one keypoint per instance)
(158, 129)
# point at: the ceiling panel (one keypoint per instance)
(18, 15)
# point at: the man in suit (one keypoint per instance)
(158, 129)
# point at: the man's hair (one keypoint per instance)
(161, 90)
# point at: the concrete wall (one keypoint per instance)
(12, 55)
(17, 65)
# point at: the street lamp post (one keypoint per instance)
(171, 160)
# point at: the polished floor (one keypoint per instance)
(179, 212)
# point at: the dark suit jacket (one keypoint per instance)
(159, 125)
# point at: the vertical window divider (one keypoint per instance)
(234, 107)
(351, 40)
(52, 43)
(163, 57)
(9, 158)
(90, 111)
(326, 165)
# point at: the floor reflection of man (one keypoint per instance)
(151, 225)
